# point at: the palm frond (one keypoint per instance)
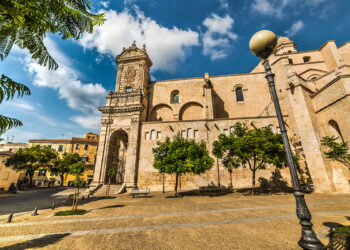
(9, 88)
(6, 42)
(8, 123)
(34, 43)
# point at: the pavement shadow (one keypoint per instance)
(113, 206)
(37, 243)
(332, 240)
(265, 191)
(196, 192)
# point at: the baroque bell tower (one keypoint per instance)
(123, 113)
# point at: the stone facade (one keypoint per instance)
(313, 88)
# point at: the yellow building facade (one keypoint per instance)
(7, 174)
(86, 147)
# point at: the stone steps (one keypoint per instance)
(113, 190)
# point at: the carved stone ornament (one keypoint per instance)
(130, 74)
(106, 121)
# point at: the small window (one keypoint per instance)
(86, 146)
(174, 97)
(232, 129)
(153, 134)
(128, 89)
(290, 61)
(159, 135)
(306, 59)
(42, 172)
(183, 134)
(84, 158)
(189, 133)
(77, 146)
(239, 94)
(60, 148)
(89, 137)
(195, 133)
(147, 135)
(225, 131)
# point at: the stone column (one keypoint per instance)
(131, 164)
(102, 154)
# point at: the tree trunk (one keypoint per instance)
(61, 177)
(217, 163)
(30, 180)
(176, 182)
(163, 184)
(74, 197)
(253, 180)
(108, 186)
(231, 179)
(76, 202)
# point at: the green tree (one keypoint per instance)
(111, 172)
(336, 151)
(77, 169)
(256, 148)
(62, 165)
(31, 159)
(181, 156)
(26, 23)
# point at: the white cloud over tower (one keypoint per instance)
(165, 46)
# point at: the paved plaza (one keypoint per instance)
(29, 199)
(230, 221)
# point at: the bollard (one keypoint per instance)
(35, 211)
(53, 206)
(10, 218)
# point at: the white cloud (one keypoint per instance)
(166, 47)
(83, 97)
(263, 7)
(280, 8)
(105, 4)
(91, 121)
(79, 96)
(127, 2)
(296, 27)
(21, 105)
(223, 4)
(218, 37)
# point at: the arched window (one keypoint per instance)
(335, 130)
(306, 59)
(239, 94)
(290, 61)
(174, 97)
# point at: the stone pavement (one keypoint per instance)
(232, 221)
(27, 200)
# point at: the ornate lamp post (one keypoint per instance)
(262, 44)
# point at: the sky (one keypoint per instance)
(184, 38)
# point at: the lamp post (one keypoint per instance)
(262, 44)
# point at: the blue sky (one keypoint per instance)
(184, 38)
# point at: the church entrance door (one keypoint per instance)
(117, 151)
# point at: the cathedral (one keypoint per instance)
(314, 92)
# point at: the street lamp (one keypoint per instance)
(262, 44)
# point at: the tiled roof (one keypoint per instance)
(50, 140)
(77, 139)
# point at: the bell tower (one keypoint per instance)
(123, 113)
